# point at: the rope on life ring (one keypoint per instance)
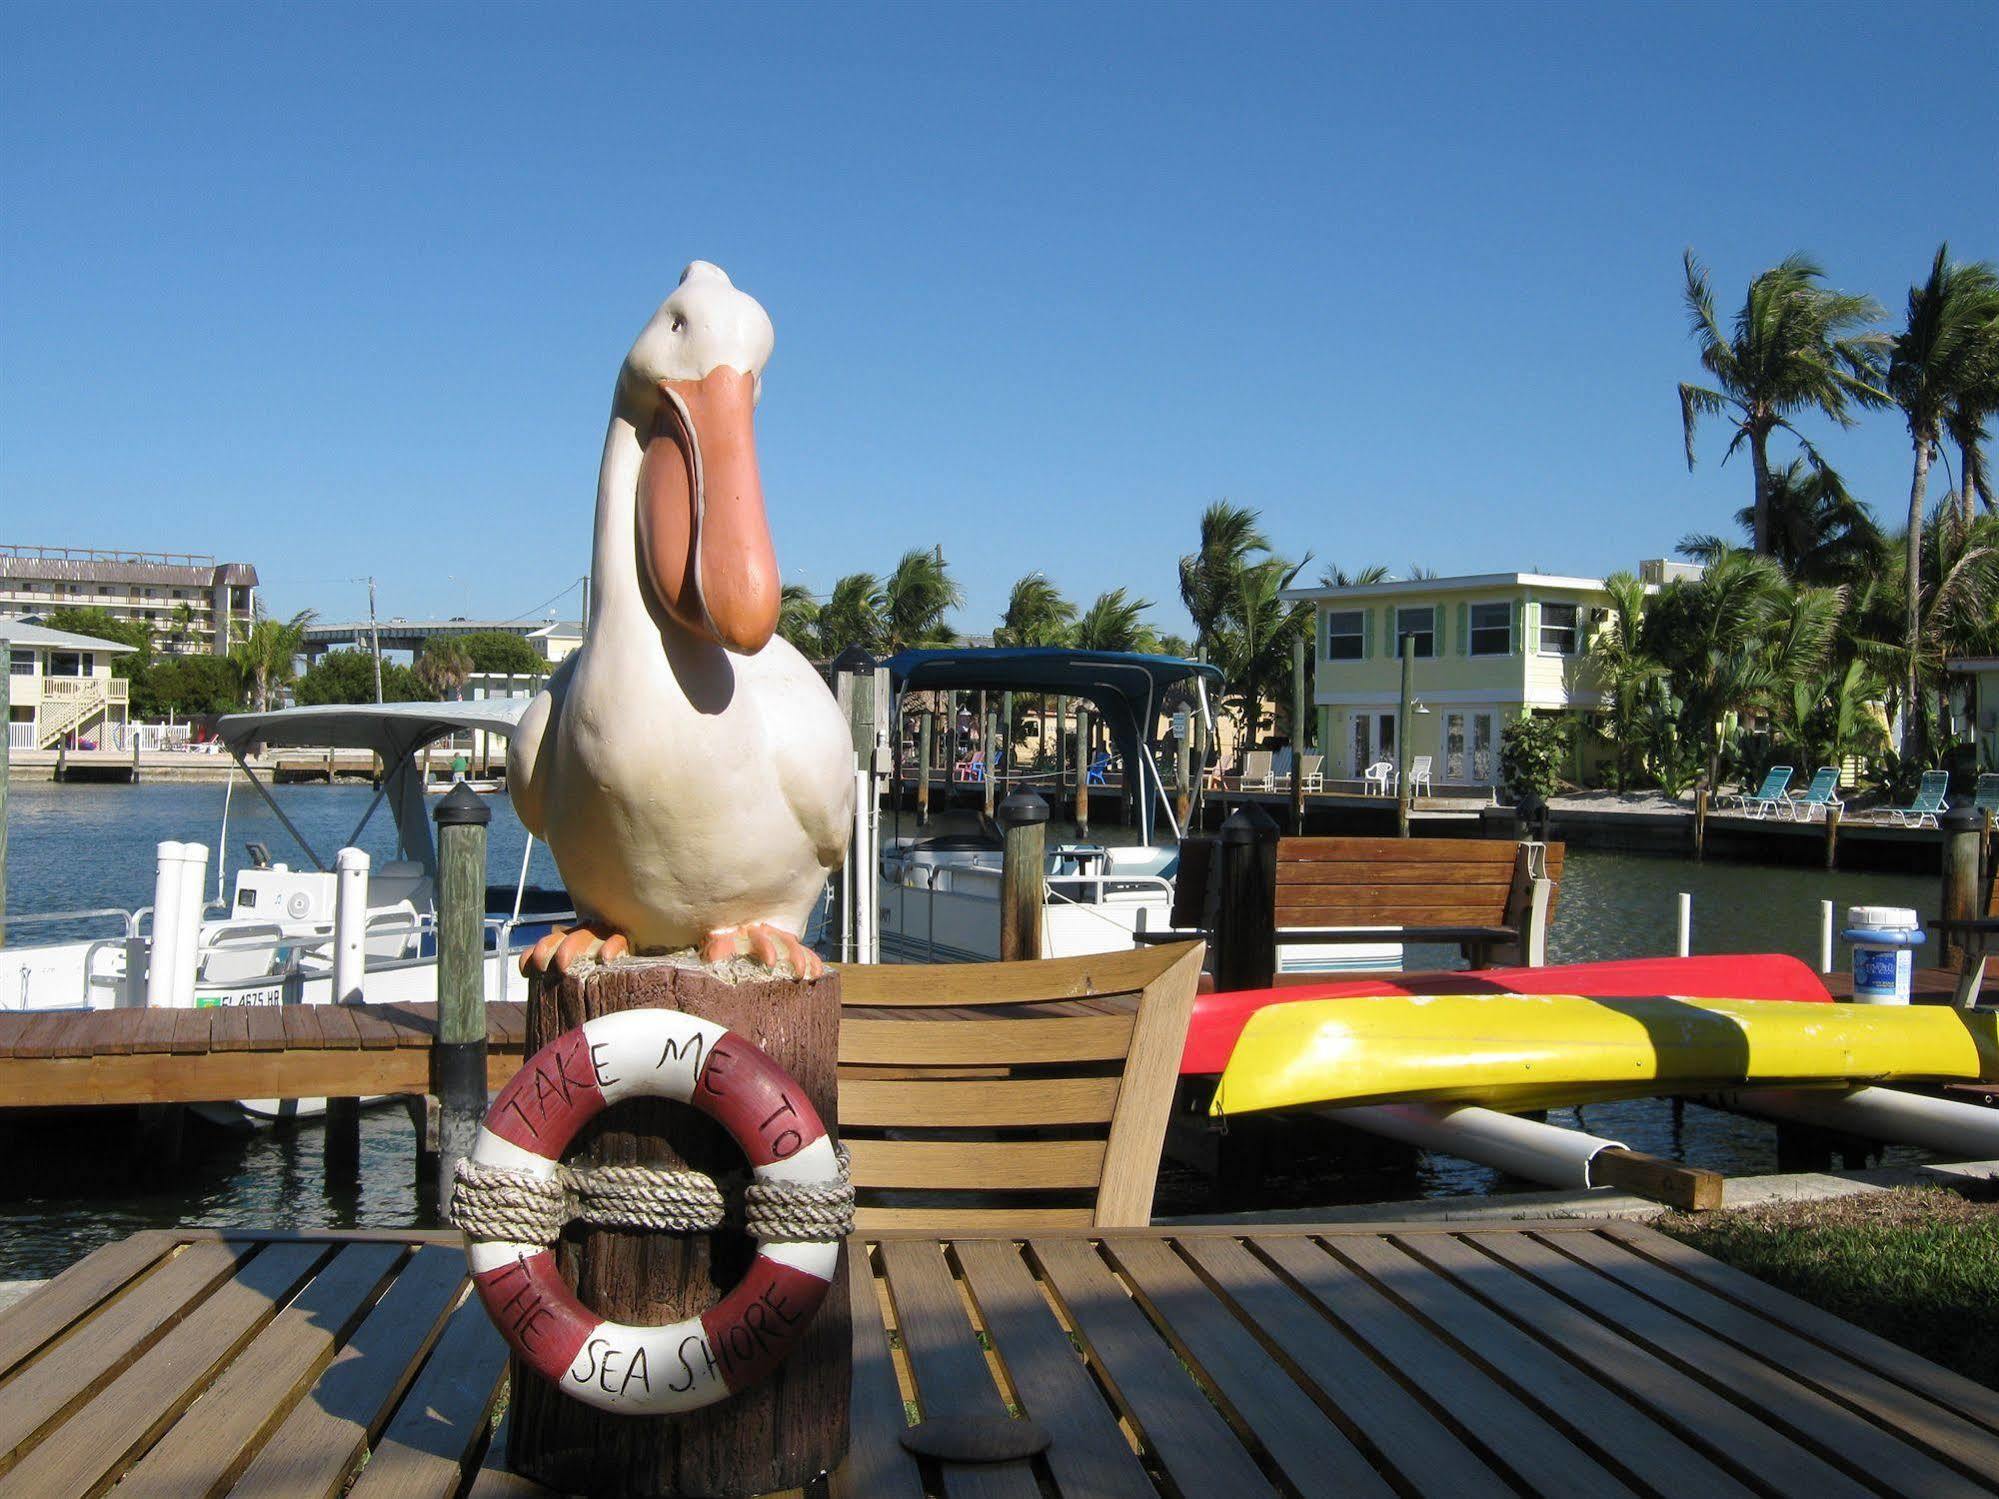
(513, 1196)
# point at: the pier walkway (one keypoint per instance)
(1599, 1358)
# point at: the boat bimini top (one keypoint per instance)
(1125, 688)
(398, 732)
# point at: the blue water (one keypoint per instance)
(75, 847)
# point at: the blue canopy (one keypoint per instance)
(1124, 687)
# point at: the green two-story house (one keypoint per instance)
(1485, 649)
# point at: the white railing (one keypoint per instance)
(21, 736)
(150, 736)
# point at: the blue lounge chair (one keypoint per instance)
(1821, 794)
(1771, 794)
(1929, 801)
(1100, 766)
(1985, 795)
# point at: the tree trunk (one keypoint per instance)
(778, 1433)
(1759, 459)
(1913, 587)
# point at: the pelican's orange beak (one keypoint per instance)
(703, 534)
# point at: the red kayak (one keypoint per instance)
(1219, 1018)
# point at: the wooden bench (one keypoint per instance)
(1492, 899)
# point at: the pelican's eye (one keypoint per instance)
(679, 324)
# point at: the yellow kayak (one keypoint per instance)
(1518, 1051)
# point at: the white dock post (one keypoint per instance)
(166, 923)
(1686, 941)
(193, 895)
(1825, 936)
(350, 925)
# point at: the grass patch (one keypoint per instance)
(1918, 1265)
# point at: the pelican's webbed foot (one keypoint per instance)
(766, 942)
(564, 947)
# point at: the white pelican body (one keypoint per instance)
(687, 768)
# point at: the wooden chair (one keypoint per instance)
(1012, 1097)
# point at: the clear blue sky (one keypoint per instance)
(343, 291)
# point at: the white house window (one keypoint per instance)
(1558, 629)
(70, 663)
(1419, 626)
(1492, 629)
(1344, 629)
(21, 663)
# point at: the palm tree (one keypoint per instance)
(265, 656)
(1624, 672)
(1964, 424)
(1939, 361)
(1115, 622)
(1254, 642)
(914, 600)
(1036, 614)
(1796, 348)
(798, 618)
(851, 616)
(1229, 539)
(1819, 533)
(443, 667)
(1339, 577)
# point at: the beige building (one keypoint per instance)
(188, 600)
(60, 688)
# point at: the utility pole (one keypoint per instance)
(586, 602)
(375, 639)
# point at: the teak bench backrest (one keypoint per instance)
(1012, 1097)
(1404, 881)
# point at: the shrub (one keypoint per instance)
(1532, 753)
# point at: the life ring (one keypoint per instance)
(684, 1365)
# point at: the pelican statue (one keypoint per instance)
(687, 768)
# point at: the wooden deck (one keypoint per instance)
(1594, 1359)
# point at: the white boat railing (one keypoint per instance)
(100, 913)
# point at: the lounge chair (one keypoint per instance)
(1309, 766)
(1985, 795)
(1928, 804)
(1770, 795)
(1215, 777)
(1378, 779)
(1256, 774)
(1815, 798)
(1419, 777)
(971, 768)
(1100, 766)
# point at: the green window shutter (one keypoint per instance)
(1519, 627)
(1464, 629)
(1533, 628)
(1367, 632)
(1391, 641)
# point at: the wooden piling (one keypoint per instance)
(1961, 890)
(777, 1433)
(1200, 768)
(458, 1059)
(1004, 746)
(990, 731)
(1832, 814)
(925, 726)
(1183, 776)
(1298, 738)
(1023, 820)
(1700, 822)
(1402, 717)
(1245, 948)
(1082, 818)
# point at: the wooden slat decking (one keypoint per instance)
(1597, 1359)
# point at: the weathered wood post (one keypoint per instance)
(1700, 823)
(458, 1060)
(1061, 747)
(990, 732)
(925, 729)
(1200, 762)
(1245, 951)
(1023, 820)
(1005, 744)
(1082, 772)
(777, 1433)
(1298, 736)
(1961, 891)
(342, 1133)
(1183, 776)
(1832, 813)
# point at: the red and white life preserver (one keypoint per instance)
(684, 1365)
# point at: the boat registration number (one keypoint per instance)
(274, 995)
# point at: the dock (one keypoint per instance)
(1561, 1358)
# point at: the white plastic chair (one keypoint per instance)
(1256, 774)
(1419, 777)
(1378, 779)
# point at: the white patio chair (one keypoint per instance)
(1419, 777)
(1256, 773)
(1378, 779)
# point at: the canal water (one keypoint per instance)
(81, 847)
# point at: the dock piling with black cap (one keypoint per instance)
(1023, 820)
(458, 1059)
